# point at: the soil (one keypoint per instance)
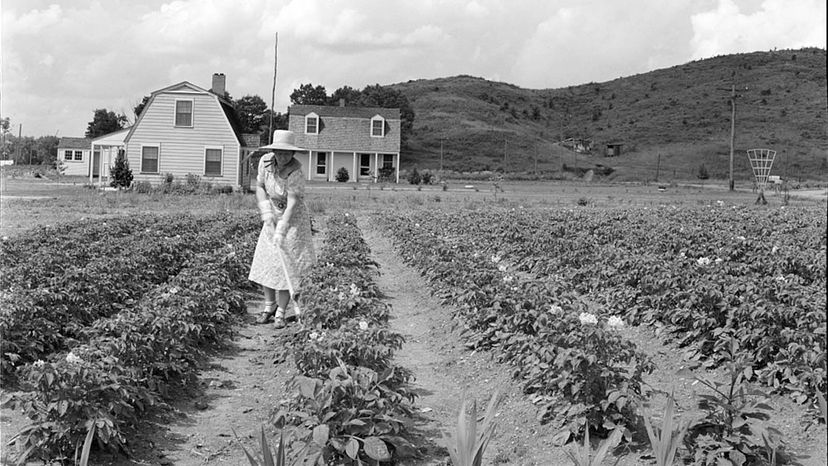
(242, 383)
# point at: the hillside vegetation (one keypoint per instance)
(670, 121)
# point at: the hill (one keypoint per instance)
(670, 121)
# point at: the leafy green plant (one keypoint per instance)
(120, 172)
(666, 440)
(582, 455)
(467, 446)
(342, 175)
(729, 431)
(823, 408)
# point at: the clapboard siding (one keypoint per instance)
(182, 149)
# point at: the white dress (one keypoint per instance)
(266, 268)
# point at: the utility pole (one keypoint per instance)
(732, 130)
(273, 92)
(658, 166)
(505, 143)
(441, 158)
(733, 96)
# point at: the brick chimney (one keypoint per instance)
(218, 84)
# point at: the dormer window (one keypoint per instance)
(184, 113)
(312, 123)
(377, 127)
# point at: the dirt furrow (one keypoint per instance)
(445, 370)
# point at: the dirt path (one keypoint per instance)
(237, 390)
(444, 370)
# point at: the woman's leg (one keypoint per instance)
(283, 300)
(269, 306)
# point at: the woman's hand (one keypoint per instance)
(281, 231)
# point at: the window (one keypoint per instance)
(321, 162)
(67, 155)
(184, 113)
(312, 124)
(364, 164)
(388, 161)
(78, 155)
(377, 127)
(149, 159)
(212, 162)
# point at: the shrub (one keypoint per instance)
(385, 174)
(703, 175)
(193, 180)
(342, 175)
(414, 177)
(120, 173)
(427, 178)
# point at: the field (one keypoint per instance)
(584, 306)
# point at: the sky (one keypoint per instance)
(62, 60)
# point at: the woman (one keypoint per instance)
(286, 229)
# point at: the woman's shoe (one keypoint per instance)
(279, 322)
(267, 313)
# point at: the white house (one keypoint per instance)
(185, 129)
(73, 155)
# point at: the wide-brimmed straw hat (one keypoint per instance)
(283, 140)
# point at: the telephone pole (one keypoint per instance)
(658, 166)
(733, 97)
(441, 158)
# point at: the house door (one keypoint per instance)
(96, 164)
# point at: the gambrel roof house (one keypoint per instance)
(185, 129)
(363, 140)
(73, 154)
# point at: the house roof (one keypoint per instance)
(74, 143)
(115, 138)
(186, 86)
(345, 112)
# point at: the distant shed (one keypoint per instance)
(613, 149)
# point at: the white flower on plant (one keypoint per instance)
(363, 325)
(775, 249)
(495, 258)
(703, 261)
(73, 358)
(615, 322)
(347, 214)
(719, 203)
(719, 260)
(354, 290)
(508, 278)
(5, 238)
(322, 336)
(741, 238)
(587, 318)
(417, 225)
(313, 336)
(682, 255)
(174, 290)
(781, 279)
(501, 267)
(39, 363)
(555, 309)
(476, 255)
(341, 296)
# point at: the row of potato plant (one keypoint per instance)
(704, 275)
(50, 299)
(351, 399)
(580, 371)
(125, 362)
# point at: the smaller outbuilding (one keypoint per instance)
(74, 155)
(613, 149)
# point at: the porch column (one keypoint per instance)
(398, 167)
(91, 163)
(376, 166)
(310, 165)
(355, 170)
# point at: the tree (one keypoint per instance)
(386, 97)
(140, 107)
(309, 95)
(347, 93)
(120, 173)
(105, 122)
(253, 114)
